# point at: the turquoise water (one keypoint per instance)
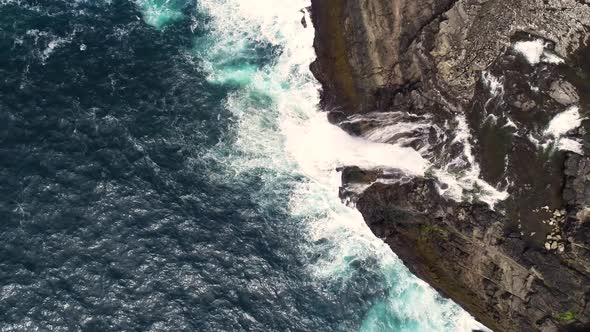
(159, 13)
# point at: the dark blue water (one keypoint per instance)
(119, 210)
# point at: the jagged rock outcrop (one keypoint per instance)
(498, 86)
(367, 54)
(371, 50)
(465, 251)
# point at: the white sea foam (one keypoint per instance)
(395, 128)
(495, 84)
(555, 135)
(535, 52)
(532, 50)
(568, 144)
(510, 123)
(551, 57)
(285, 135)
(53, 44)
(563, 122)
(49, 41)
(559, 126)
(319, 147)
(461, 177)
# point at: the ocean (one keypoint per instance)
(164, 166)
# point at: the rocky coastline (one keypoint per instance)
(495, 89)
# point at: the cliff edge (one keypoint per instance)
(496, 95)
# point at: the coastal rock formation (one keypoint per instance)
(465, 251)
(487, 89)
(382, 59)
(372, 50)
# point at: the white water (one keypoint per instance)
(280, 130)
(559, 126)
(396, 128)
(462, 175)
(531, 50)
(493, 83)
(563, 122)
(568, 144)
(535, 51)
(48, 41)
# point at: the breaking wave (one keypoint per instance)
(278, 133)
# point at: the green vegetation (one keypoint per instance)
(429, 230)
(567, 316)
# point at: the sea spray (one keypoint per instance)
(279, 131)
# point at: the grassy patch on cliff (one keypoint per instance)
(566, 317)
(426, 230)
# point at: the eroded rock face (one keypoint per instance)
(513, 76)
(369, 51)
(365, 56)
(465, 252)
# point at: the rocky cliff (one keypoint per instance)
(496, 95)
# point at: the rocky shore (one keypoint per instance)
(496, 95)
